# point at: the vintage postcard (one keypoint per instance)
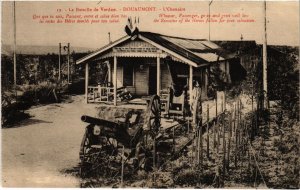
(150, 94)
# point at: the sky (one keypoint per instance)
(282, 22)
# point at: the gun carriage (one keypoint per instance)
(133, 130)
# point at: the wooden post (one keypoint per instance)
(122, 170)
(154, 157)
(225, 99)
(15, 48)
(229, 141)
(109, 72)
(218, 138)
(224, 155)
(59, 63)
(234, 120)
(252, 96)
(201, 147)
(224, 147)
(222, 105)
(265, 59)
(238, 115)
(230, 124)
(236, 147)
(115, 79)
(191, 83)
(68, 61)
(158, 76)
(216, 105)
(241, 107)
(197, 147)
(239, 142)
(86, 81)
(207, 131)
(214, 133)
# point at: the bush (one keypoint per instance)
(12, 111)
(44, 92)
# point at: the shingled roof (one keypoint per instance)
(196, 52)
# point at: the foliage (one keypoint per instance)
(218, 80)
(12, 111)
(33, 69)
(7, 76)
(44, 92)
(98, 73)
(284, 74)
(76, 87)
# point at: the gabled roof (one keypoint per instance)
(195, 52)
(102, 49)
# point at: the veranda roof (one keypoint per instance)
(195, 52)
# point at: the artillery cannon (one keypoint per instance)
(128, 134)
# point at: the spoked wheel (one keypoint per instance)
(151, 128)
(98, 159)
(152, 121)
(84, 153)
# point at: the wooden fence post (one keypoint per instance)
(214, 133)
(224, 156)
(238, 114)
(154, 163)
(201, 148)
(218, 136)
(236, 147)
(207, 132)
(197, 146)
(222, 105)
(229, 141)
(216, 105)
(224, 145)
(122, 169)
(239, 142)
(234, 121)
(230, 124)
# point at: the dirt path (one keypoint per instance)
(43, 150)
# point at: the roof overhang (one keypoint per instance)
(169, 51)
(150, 41)
(101, 50)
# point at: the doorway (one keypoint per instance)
(152, 80)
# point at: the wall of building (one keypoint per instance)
(165, 77)
(119, 75)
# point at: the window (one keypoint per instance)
(128, 75)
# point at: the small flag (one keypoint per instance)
(128, 27)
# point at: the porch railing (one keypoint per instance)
(100, 94)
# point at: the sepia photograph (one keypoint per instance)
(150, 94)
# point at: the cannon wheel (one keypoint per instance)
(146, 149)
(91, 157)
(84, 150)
(153, 115)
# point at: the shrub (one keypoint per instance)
(44, 92)
(12, 111)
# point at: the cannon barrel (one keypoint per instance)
(96, 121)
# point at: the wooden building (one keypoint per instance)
(145, 63)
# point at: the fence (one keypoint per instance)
(225, 141)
